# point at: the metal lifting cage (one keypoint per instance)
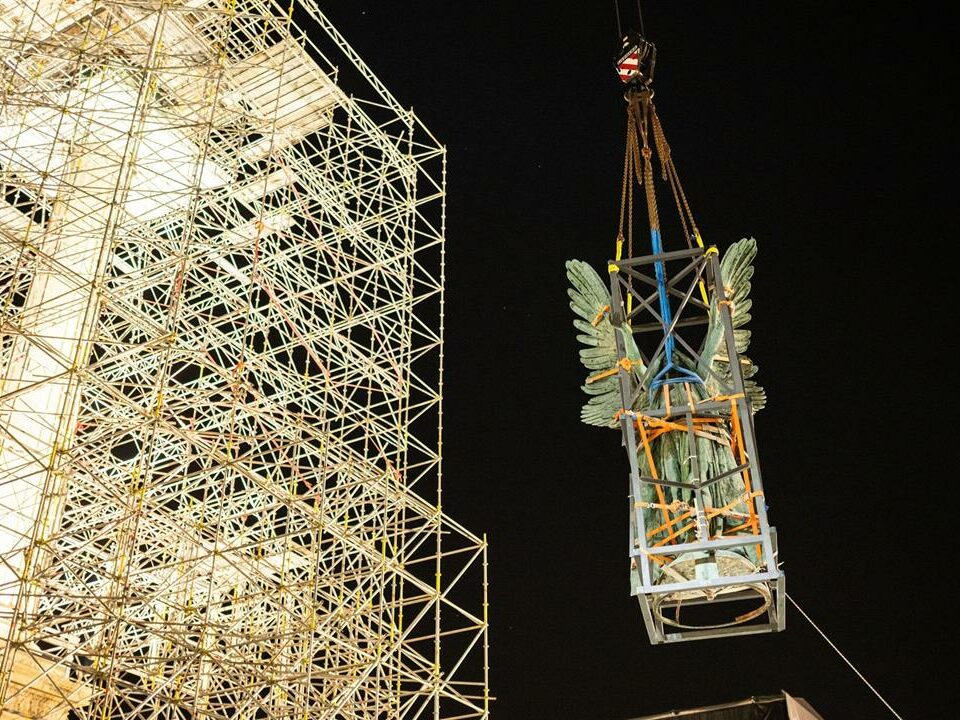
(727, 579)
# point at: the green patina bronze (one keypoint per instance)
(670, 451)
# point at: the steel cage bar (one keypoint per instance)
(657, 587)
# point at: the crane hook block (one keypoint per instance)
(636, 59)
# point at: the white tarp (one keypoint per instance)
(799, 709)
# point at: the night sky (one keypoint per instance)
(822, 132)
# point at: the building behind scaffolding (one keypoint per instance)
(221, 280)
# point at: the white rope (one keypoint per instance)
(844, 657)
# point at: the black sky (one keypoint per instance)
(819, 129)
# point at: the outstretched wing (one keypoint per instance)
(589, 300)
(736, 269)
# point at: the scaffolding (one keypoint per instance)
(222, 282)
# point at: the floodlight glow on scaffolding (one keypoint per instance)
(222, 283)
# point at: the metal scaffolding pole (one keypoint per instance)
(222, 284)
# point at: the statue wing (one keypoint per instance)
(589, 300)
(736, 269)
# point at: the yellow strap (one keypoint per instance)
(611, 267)
(712, 250)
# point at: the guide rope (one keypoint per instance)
(842, 656)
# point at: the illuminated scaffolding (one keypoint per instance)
(220, 410)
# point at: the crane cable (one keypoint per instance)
(626, 190)
(642, 116)
(616, 8)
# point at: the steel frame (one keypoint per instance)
(222, 286)
(656, 588)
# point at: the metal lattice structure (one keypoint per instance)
(222, 289)
(678, 564)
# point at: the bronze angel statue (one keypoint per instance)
(696, 379)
